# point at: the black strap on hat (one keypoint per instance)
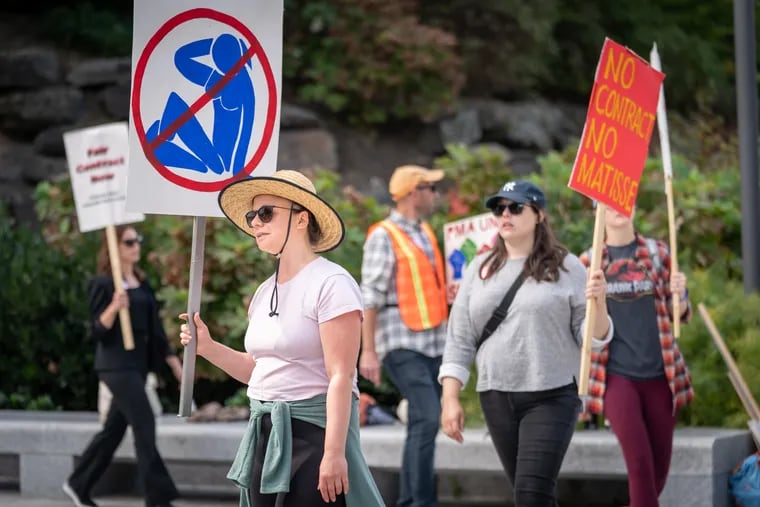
(274, 300)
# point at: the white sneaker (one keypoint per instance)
(75, 497)
(402, 411)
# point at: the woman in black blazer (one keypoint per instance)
(124, 372)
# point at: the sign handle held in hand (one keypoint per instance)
(667, 167)
(596, 263)
(676, 298)
(193, 306)
(118, 284)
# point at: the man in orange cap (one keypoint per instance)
(404, 327)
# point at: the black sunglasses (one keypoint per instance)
(515, 208)
(132, 241)
(266, 213)
(427, 186)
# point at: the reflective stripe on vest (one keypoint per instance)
(425, 307)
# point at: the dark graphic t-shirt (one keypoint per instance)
(635, 349)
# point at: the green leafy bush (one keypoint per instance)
(518, 49)
(371, 61)
(43, 325)
(738, 321)
(506, 45)
(375, 61)
(102, 30)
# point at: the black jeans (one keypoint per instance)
(531, 432)
(308, 447)
(130, 406)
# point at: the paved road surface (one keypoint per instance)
(13, 499)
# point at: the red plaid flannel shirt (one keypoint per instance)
(675, 366)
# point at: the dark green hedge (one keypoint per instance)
(44, 343)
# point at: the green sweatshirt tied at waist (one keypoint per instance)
(275, 476)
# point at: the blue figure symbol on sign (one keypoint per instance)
(233, 106)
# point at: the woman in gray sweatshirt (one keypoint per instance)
(527, 368)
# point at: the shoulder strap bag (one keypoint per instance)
(501, 311)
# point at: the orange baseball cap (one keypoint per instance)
(406, 177)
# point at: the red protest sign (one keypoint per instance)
(619, 124)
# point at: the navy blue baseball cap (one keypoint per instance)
(520, 191)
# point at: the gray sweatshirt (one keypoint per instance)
(536, 347)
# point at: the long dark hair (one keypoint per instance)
(104, 262)
(544, 261)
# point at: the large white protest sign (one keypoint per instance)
(205, 105)
(98, 160)
(462, 241)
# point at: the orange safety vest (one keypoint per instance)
(421, 287)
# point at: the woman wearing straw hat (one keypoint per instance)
(301, 350)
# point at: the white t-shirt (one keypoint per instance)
(290, 363)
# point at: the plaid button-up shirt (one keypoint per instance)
(675, 366)
(379, 291)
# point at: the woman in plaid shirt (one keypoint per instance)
(639, 380)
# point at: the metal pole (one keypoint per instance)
(746, 108)
(193, 306)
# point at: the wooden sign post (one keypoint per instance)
(118, 286)
(667, 167)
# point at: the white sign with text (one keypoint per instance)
(98, 158)
(462, 241)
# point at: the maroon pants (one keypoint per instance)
(641, 415)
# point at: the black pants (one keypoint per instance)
(531, 432)
(130, 406)
(308, 447)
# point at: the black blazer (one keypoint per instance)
(151, 343)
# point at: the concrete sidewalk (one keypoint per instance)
(14, 499)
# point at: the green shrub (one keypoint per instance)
(519, 49)
(378, 61)
(375, 61)
(43, 325)
(101, 30)
(506, 45)
(371, 61)
(736, 317)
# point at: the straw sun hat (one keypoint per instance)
(236, 199)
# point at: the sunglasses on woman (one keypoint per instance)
(515, 208)
(132, 241)
(266, 213)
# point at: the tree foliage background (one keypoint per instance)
(374, 61)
